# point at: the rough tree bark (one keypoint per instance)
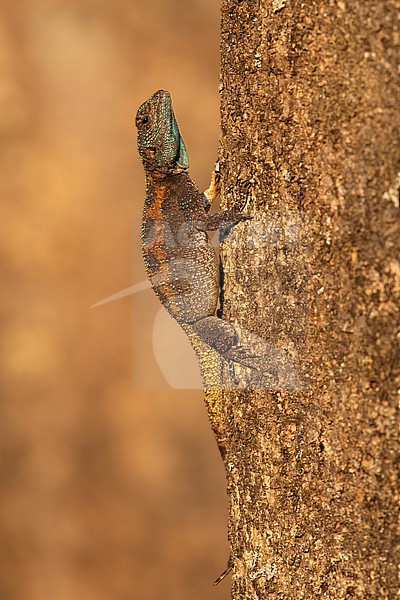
(311, 146)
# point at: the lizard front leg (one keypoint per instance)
(220, 220)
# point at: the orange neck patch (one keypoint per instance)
(153, 211)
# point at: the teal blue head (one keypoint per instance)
(160, 144)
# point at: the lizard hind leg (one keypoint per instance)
(217, 333)
(222, 337)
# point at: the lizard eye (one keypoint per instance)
(141, 121)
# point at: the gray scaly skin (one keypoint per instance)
(179, 258)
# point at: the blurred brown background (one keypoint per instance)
(111, 483)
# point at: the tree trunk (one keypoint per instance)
(311, 147)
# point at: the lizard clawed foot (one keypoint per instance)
(244, 216)
(214, 188)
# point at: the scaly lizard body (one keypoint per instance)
(179, 258)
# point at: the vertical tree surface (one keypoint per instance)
(311, 147)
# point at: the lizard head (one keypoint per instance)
(160, 144)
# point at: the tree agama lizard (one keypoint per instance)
(179, 258)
